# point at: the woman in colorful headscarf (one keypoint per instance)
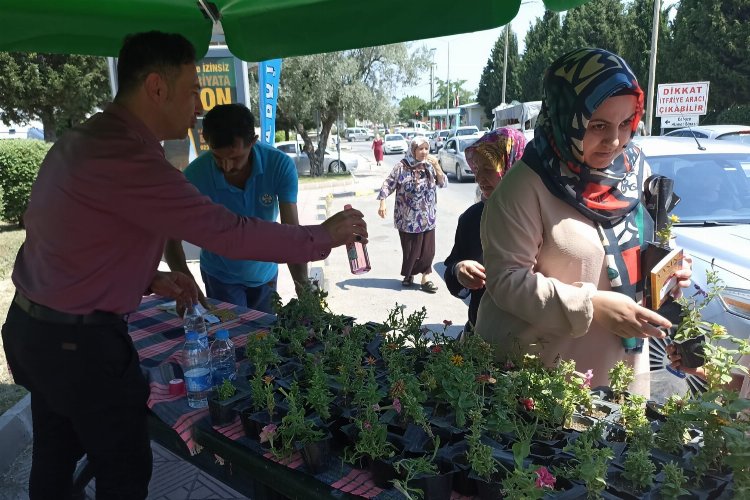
(489, 158)
(415, 180)
(562, 234)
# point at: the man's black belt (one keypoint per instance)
(44, 313)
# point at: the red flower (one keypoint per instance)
(436, 349)
(528, 403)
(447, 322)
(367, 425)
(485, 379)
(545, 479)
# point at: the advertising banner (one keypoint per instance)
(218, 86)
(269, 73)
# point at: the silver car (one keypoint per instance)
(332, 162)
(438, 140)
(714, 228)
(737, 133)
(452, 158)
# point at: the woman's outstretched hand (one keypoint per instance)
(622, 316)
(382, 210)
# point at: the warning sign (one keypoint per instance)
(682, 98)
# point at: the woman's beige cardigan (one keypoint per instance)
(543, 262)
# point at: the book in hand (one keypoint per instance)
(663, 278)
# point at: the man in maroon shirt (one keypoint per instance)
(104, 204)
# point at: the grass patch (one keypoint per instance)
(11, 238)
(306, 179)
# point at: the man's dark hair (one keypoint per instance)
(226, 123)
(151, 52)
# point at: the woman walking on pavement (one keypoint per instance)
(377, 148)
(415, 180)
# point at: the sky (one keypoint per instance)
(469, 51)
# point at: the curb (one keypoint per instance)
(16, 432)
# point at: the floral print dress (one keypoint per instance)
(415, 185)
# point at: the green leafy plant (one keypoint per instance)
(294, 427)
(226, 390)
(674, 479)
(318, 397)
(620, 377)
(479, 455)
(691, 322)
(664, 235)
(591, 462)
(259, 350)
(639, 469)
(634, 413)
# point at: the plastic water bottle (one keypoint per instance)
(194, 322)
(196, 365)
(223, 365)
(359, 260)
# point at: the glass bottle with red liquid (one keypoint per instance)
(359, 261)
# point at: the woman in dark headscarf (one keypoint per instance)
(563, 233)
(489, 158)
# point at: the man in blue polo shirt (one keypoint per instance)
(250, 179)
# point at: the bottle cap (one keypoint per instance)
(222, 334)
(176, 387)
(191, 335)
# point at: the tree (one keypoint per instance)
(412, 107)
(356, 83)
(710, 43)
(456, 88)
(598, 23)
(490, 90)
(58, 90)
(543, 45)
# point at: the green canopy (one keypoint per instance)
(255, 30)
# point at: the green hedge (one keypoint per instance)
(737, 115)
(19, 165)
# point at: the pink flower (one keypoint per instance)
(509, 365)
(367, 425)
(544, 478)
(397, 405)
(587, 378)
(267, 433)
(376, 407)
(528, 403)
(447, 322)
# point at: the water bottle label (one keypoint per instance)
(198, 379)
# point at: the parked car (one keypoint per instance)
(438, 139)
(358, 134)
(466, 130)
(737, 133)
(394, 143)
(452, 158)
(331, 161)
(715, 233)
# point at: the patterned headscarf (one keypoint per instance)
(417, 141)
(574, 86)
(502, 148)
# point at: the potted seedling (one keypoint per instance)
(620, 377)
(221, 403)
(689, 337)
(298, 432)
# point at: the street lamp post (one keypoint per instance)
(432, 83)
(652, 65)
(448, 89)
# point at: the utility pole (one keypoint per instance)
(448, 90)
(505, 60)
(652, 65)
(432, 84)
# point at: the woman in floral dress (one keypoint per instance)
(415, 180)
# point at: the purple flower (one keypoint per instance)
(397, 405)
(267, 433)
(544, 478)
(587, 378)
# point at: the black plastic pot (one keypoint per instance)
(256, 421)
(691, 352)
(488, 490)
(317, 455)
(383, 471)
(438, 486)
(223, 412)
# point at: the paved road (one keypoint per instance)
(369, 297)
